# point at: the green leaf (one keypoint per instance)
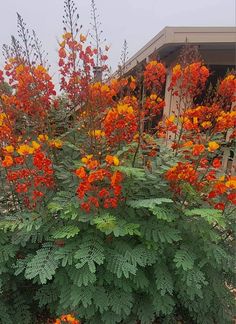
(66, 231)
(109, 224)
(209, 214)
(184, 259)
(43, 265)
(90, 252)
(148, 203)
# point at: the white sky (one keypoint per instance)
(137, 21)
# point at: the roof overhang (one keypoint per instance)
(171, 39)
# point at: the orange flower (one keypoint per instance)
(82, 38)
(7, 162)
(112, 160)
(81, 173)
(198, 149)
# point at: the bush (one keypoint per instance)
(104, 217)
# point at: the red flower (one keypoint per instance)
(220, 206)
(198, 149)
(216, 163)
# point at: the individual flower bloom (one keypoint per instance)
(37, 194)
(98, 175)
(116, 178)
(25, 149)
(112, 160)
(43, 138)
(117, 190)
(62, 52)
(82, 38)
(21, 188)
(19, 160)
(198, 149)
(93, 201)
(57, 321)
(216, 163)
(203, 162)
(220, 206)
(97, 133)
(110, 203)
(211, 175)
(220, 188)
(92, 164)
(85, 206)
(232, 198)
(212, 194)
(9, 148)
(206, 124)
(231, 183)
(188, 144)
(35, 145)
(103, 193)
(133, 83)
(213, 146)
(57, 143)
(81, 173)
(87, 158)
(7, 162)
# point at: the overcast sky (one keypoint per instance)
(137, 21)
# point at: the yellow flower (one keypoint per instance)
(2, 117)
(153, 96)
(176, 68)
(35, 145)
(25, 149)
(43, 138)
(195, 120)
(171, 118)
(124, 109)
(116, 160)
(86, 158)
(56, 143)
(206, 124)
(213, 146)
(105, 88)
(9, 149)
(97, 133)
(231, 183)
(110, 159)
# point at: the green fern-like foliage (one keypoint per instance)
(150, 259)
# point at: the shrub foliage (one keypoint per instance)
(110, 215)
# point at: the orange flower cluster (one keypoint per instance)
(154, 75)
(227, 88)
(182, 172)
(99, 185)
(5, 127)
(120, 124)
(66, 319)
(189, 80)
(76, 62)
(29, 170)
(33, 89)
(223, 190)
(154, 105)
(226, 121)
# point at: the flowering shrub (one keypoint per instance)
(109, 216)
